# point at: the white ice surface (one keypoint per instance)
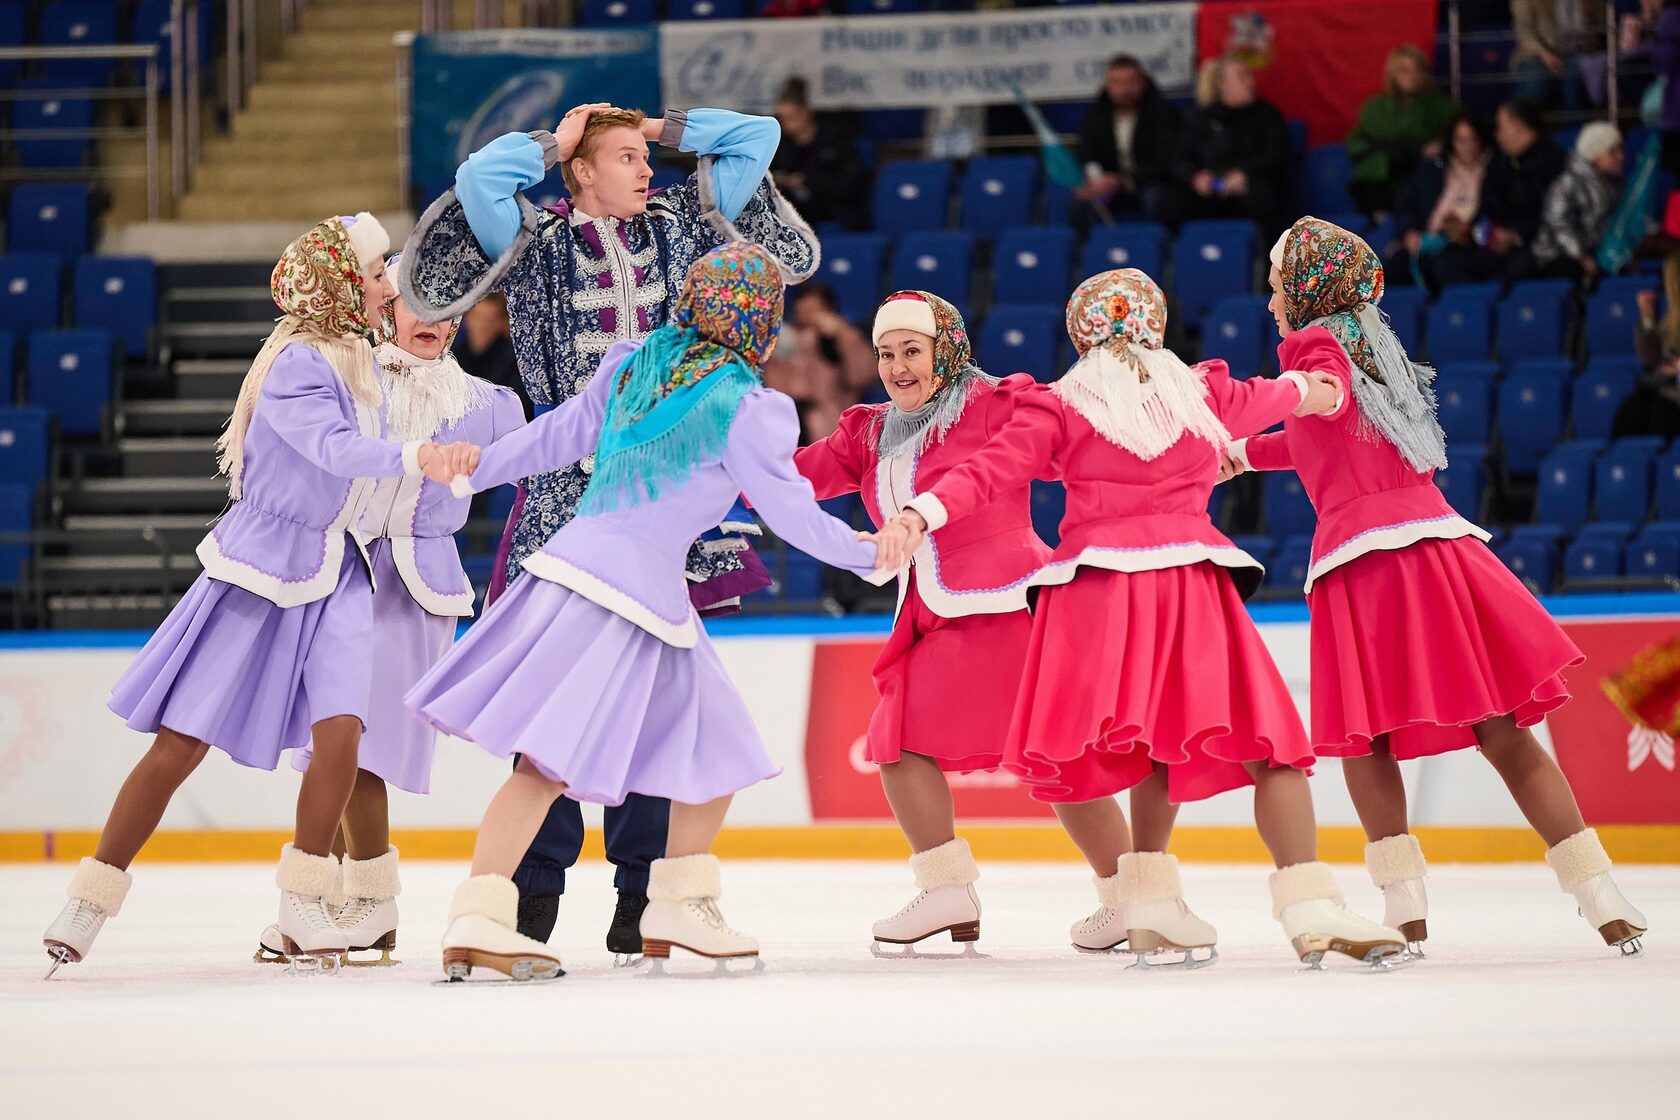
(1520, 1010)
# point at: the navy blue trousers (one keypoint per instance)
(635, 835)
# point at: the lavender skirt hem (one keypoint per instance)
(594, 701)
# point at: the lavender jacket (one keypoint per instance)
(312, 456)
(631, 560)
(421, 518)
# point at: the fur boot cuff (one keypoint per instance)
(949, 865)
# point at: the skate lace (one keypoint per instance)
(313, 911)
(355, 911)
(921, 896)
(84, 915)
(1096, 921)
(707, 911)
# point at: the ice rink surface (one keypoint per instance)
(1519, 1010)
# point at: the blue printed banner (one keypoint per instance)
(472, 86)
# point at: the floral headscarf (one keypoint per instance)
(1137, 394)
(1331, 278)
(676, 397)
(317, 285)
(955, 380)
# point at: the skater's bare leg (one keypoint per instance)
(327, 783)
(1098, 828)
(513, 818)
(921, 801)
(1536, 784)
(1153, 815)
(367, 819)
(694, 828)
(145, 795)
(1283, 813)
(1378, 791)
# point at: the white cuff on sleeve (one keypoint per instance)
(411, 456)
(1237, 449)
(1299, 380)
(461, 486)
(931, 509)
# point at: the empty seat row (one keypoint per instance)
(68, 372)
(116, 294)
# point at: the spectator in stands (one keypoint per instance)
(822, 361)
(1396, 129)
(816, 165)
(1513, 196)
(1653, 409)
(1579, 204)
(1550, 36)
(485, 348)
(1234, 159)
(1129, 141)
(1438, 202)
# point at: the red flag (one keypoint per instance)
(1316, 61)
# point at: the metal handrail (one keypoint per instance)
(148, 92)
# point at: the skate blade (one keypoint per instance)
(458, 965)
(901, 951)
(1170, 958)
(628, 960)
(384, 946)
(1380, 956)
(60, 954)
(313, 964)
(265, 955)
(1119, 946)
(1625, 936)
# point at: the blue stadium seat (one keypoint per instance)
(17, 509)
(1655, 552)
(1259, 547)
(912, 196)
(704, 9)
(852, 266)
(1049, 503)
(1290, 563)
(1404, 308)
(1288, 512)
(1239, 329)
(1351, 220)
(801, 580)
(1058, 203)
(940, 262)
(1139, 245)
(1596, 552)
(1465, 479)
(1021, 340)
(1383, 235)
(70, 375)
(1613, 314)
(1531, 413)
(80, 23)
(1459, 327)
(24, 445)
(1448, 372)
(1597, 394)
(120, 295)
(1531, 554)
(998, 191)
(599, 13)
(1329, 171)
(29, 291)
(49, 110)
(1544, 367)
(14, 21)
(1622, 479)
(1565, 478)
(887, 125)
(8, 368)
(1668, 484)
(882, 7)
(151, 24)
(1031, 264)
(1211, 259)
(1465, 407)
(1533, 320)
(49, 218)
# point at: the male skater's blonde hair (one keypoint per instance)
(598, 123)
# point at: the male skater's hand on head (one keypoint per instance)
(570, 129)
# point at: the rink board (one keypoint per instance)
(807, 683)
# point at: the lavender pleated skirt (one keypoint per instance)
(594, 701)
(407, 641)
(234, 670)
